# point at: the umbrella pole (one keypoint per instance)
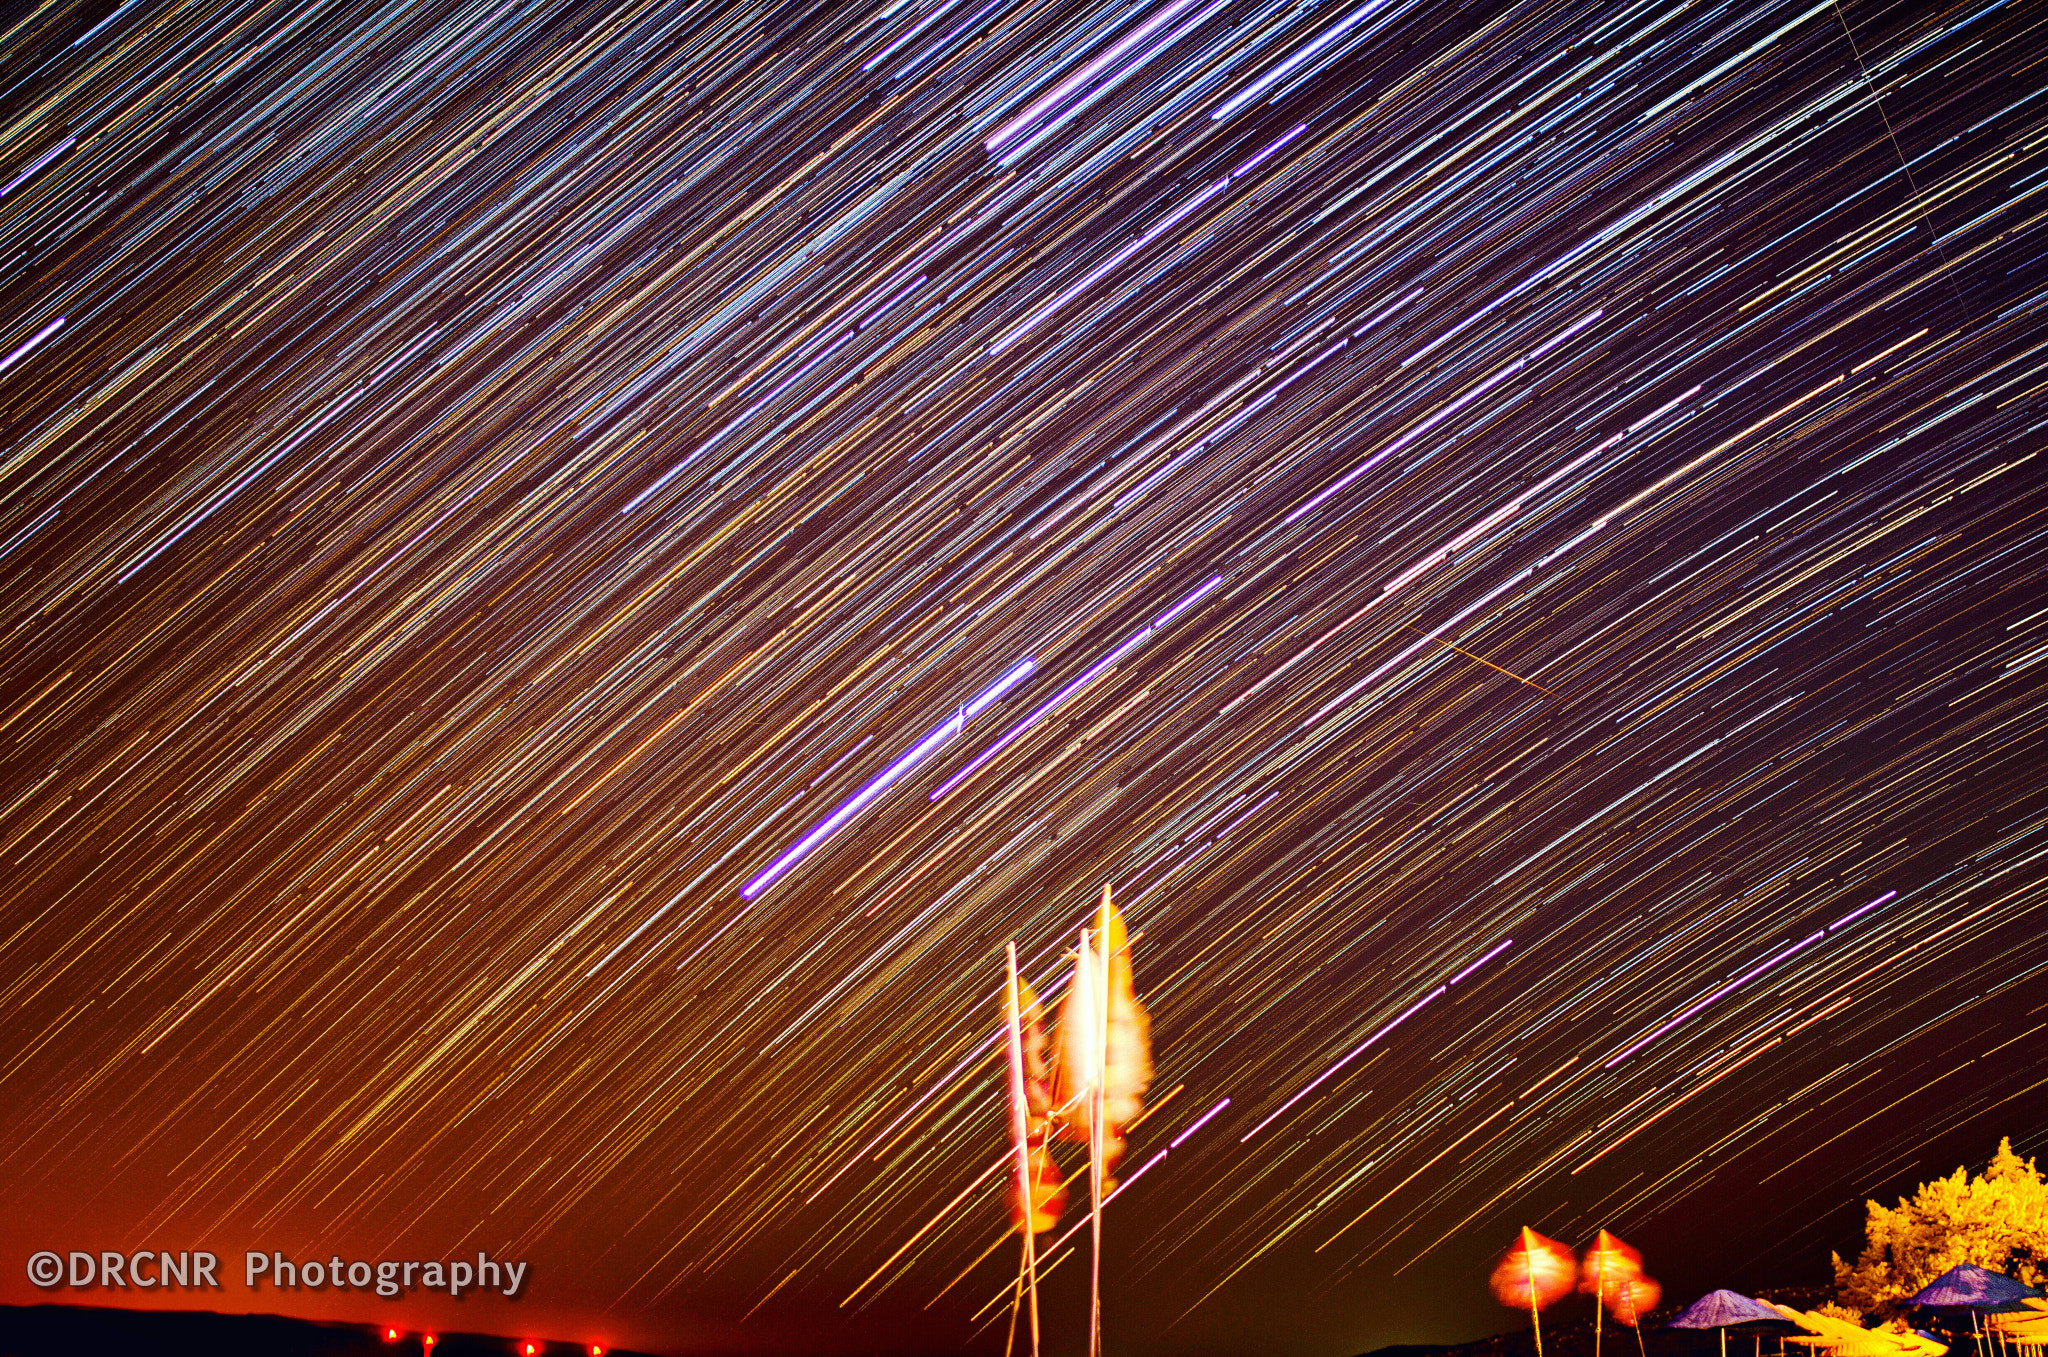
(1635, 1321)
(1599, 1301)
(1723, 1331)
(1095, 1129)
(1027, 1186)
(1099, 1128)
(1016, 1304)
(1529, 1267)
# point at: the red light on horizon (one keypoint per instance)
(597, 1350)
(391, 1335)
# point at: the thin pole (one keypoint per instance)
(1600, 1300)
(1099, 1130)
(1101, 1034)
(1016, 1303)
(1529, 1267)
(1019, 1135)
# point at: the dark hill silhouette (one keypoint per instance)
(87, 1331)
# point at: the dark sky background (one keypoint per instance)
(1551, 486)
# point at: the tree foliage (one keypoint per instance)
(1998, 1220)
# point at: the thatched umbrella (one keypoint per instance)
(1970, 1287)
(1725, 1310)
(1973, 1290)
(1535, 1272)
(1607, 1273)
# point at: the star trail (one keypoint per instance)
(571, 573)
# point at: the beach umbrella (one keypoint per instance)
(1720, 1309)
(1536, 1272)
(1973, 1289)
(1104, 1045)
(1612, 1272)
(1607, 1264)
(1723, 1310)
(1970, 1287)
(1035, 1202)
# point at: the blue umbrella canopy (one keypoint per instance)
(1972, 1288)
(1719, 1309)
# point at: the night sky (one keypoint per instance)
(570, 573)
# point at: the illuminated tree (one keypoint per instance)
(1998, 1221)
